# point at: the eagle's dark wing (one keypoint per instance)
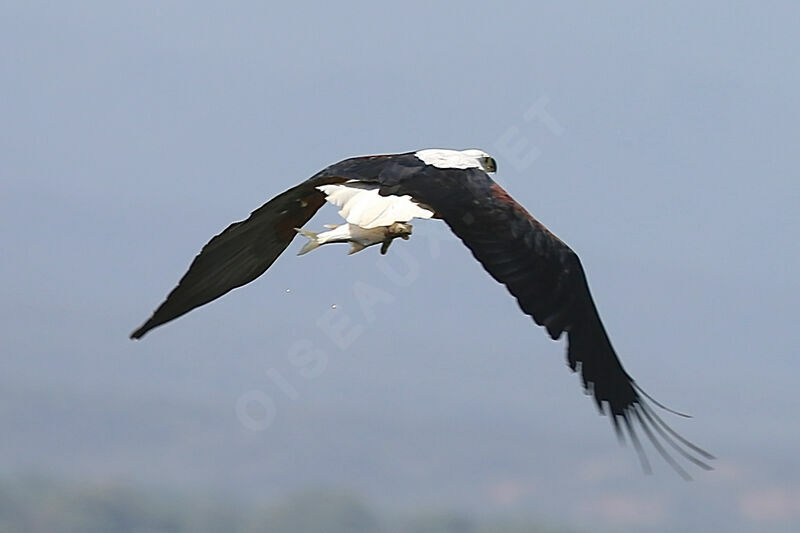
(548, 281)
(246, 249)
(241, 253)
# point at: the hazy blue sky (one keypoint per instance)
(667, 159)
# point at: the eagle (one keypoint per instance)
(378, 195)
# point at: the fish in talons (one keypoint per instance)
(358, 237)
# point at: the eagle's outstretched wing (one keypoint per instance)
(241, 253)
(548, 281)
(246, 249)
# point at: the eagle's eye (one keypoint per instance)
(489, 164)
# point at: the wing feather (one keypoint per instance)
(549, 283)
(246, 249)
(238, 255)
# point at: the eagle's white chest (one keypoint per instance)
(362, 205)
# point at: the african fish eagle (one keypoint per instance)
(378, 195)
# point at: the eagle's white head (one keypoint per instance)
(444, 158)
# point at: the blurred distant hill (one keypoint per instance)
(32, 505)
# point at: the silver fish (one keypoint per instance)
(358, 237)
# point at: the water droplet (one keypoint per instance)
(333, 306)
(288, 290)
